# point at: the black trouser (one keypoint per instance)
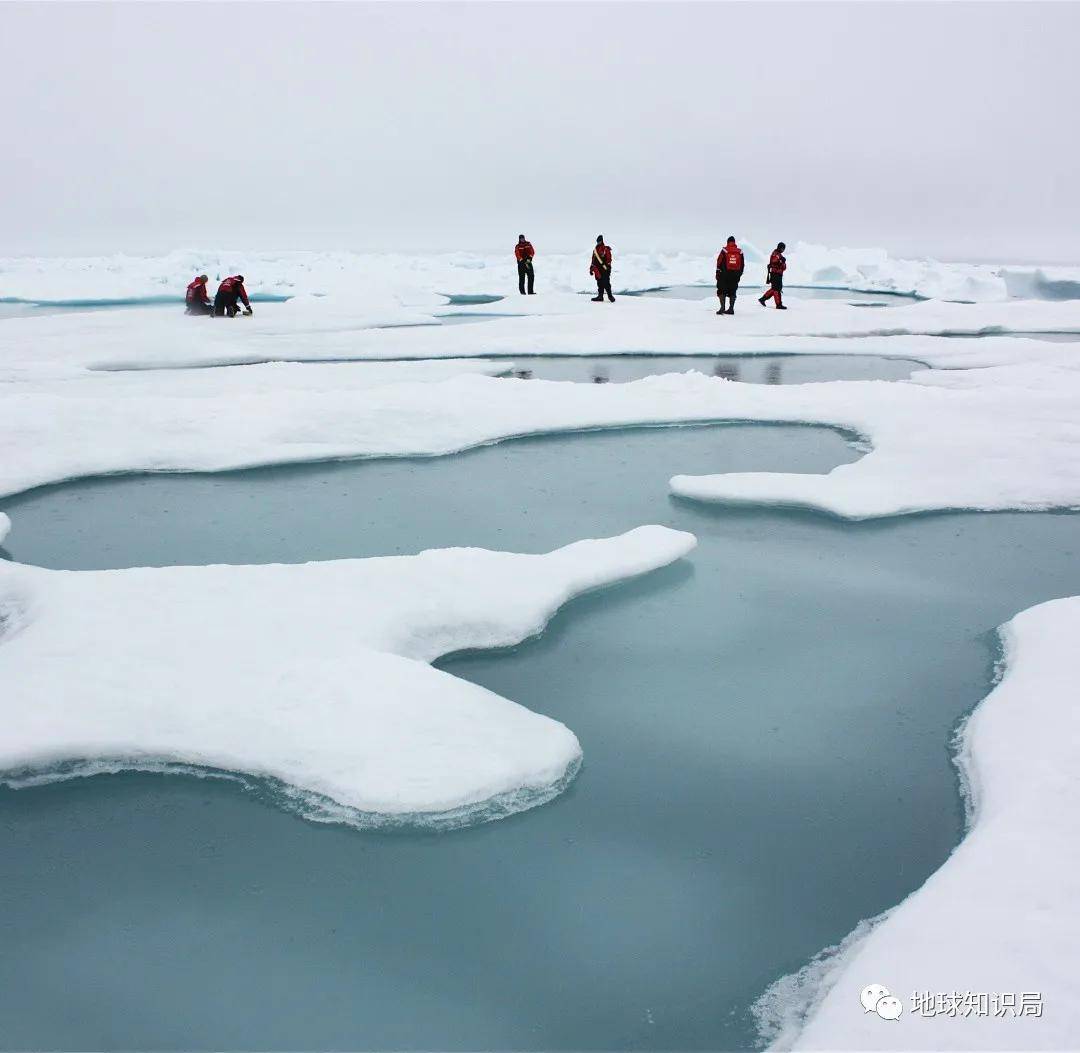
(199, 307)
(728, 285)
(525, 271)
(226, 304)
(603, 284)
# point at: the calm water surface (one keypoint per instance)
(749, 369)
(764, 728)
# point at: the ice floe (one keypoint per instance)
(555, 324)
(998, 918)
(413, 279)
(1006, 437)
(314, 675)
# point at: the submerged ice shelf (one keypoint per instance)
(316, 675)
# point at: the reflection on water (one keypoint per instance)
(751, 369)
(747, 718)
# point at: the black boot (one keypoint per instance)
(761, 300)
(781, 307)
(597, 299)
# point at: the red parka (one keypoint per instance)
(777, 262)
(234, 286)
(196, 292)
(601, 255)
(730, 260)
(523, 250)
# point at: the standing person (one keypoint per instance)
(600, 269)
(775, 277)
(523, 253)
(729, 269)
(229, 292)
(197, 299)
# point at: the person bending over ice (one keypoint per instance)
(523, 253)
(600, 269)
(229, 292)
(197, 299)
(729, 268)
(775, 277)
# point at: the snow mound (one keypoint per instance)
(313, 678)
(999, 917)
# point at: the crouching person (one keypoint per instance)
(197, 299)
(230, 294)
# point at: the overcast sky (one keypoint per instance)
(943, 129)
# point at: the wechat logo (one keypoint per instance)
(876, 999)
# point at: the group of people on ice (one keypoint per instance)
(730, 265)
(230, 294)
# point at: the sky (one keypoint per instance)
(942, 129)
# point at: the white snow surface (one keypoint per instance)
(1002, 435)
(316, 675)
(999, 916)
(330, 328)
(410, 282)
(993, 423)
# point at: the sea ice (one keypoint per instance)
(345, 327)
(411, 278)
(999, 917)
(996, 438)
(315, 675)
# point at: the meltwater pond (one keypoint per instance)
(764, 726)
(749, 369)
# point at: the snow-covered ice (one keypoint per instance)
(999, 916)
(313, 329)
(152, 666)
(406, 279)
(315, 675)
(994, 438)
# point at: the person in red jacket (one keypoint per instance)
(775, 277)
(600, 269)
(523, 253)
(196, 299)
(229, 292)
(729, 269)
